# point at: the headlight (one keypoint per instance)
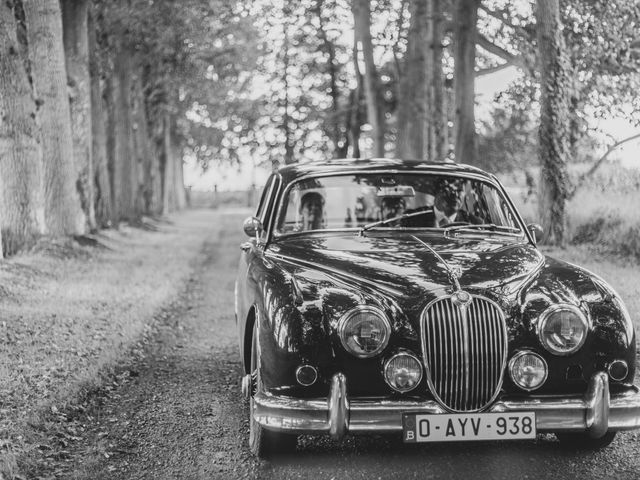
(364, 331)
(403, 372)
(528, 370)
(562, 329)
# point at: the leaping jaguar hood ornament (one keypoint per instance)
(454, 271)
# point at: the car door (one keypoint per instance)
(251, 251)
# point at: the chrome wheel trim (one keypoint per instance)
(255, 429)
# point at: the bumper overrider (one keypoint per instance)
(595, 412)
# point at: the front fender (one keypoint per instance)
(611, 335)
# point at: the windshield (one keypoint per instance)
(420, 200)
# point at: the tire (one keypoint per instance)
(582, 441)
(264, 443)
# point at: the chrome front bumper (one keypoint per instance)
(595, 412)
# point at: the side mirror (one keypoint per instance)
(252, 227)
(536, 231)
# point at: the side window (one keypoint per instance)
(264, 199)
(270, 201)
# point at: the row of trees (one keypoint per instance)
(100, 100)
(405, 84)
(94, 98)
(551, 56)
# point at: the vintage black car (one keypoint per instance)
(382, 295)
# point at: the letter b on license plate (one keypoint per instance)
(418, 427)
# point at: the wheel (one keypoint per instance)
(582, 441)
(264, 443)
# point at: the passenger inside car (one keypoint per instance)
(312, 211)
(392, 207)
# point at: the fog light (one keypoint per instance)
(306, 375)
(618, 370)
(528, 370)
(403, 372)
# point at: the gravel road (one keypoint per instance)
(179, 414)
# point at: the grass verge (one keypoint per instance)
(70, 309)
(621, 272)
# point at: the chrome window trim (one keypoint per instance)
(263, 204)
(490, 180)
(274, 208)
(526, 231)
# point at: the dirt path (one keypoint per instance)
(179, 414)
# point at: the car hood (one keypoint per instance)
(401, 266)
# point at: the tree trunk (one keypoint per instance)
(166, 166)
(143, 152)
(355, 123)
(412, 108)
(21, 189)
(375, 112)
(152, 191)
(553, 148)
(63, 214)
(157, 141)
(178, 172)
(75, 16)
(102, 187)
(466, 16)
(334, 129)
(438, 116)
(286, 119)
(125, 181)
(110, 99)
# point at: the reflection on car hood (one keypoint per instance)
(400, 264)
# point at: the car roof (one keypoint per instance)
(294, 171)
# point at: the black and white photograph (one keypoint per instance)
(319, 239)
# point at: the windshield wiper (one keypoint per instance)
(492, 227)
(369, 226)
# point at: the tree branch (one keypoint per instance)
(599, 162)
(500, 15)
(494, 69)
(395, 46)
(494, 49)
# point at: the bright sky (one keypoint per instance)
(242, 176)
(619, 128)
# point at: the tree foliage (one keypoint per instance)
(274, 82)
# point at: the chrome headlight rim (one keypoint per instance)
(403, 353)
(546, 315)
(520, 354)
(344, 320)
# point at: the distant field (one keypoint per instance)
(604, 213)
(622, 275)
(210, 199)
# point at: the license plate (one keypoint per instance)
(457, 427)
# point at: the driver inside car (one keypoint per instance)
(447, 208)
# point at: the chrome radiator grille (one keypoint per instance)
(465, 348)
